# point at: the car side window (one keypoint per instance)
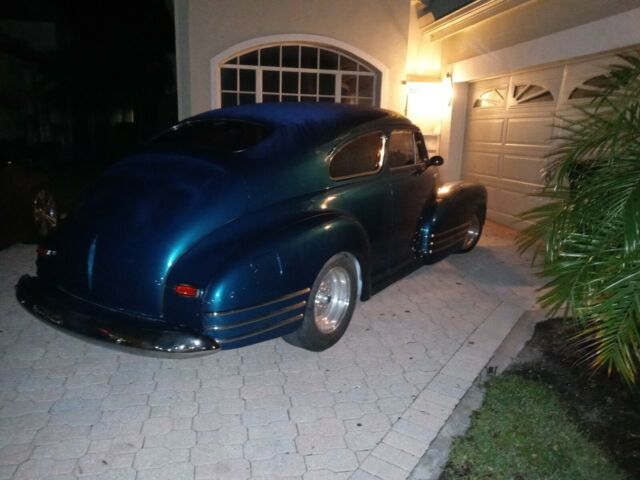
(362, 156)
(421, 146)
(401, 151)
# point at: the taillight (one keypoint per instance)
(43, 251)
(188, 291)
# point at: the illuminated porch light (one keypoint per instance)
(427, 100)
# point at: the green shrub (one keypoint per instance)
(589, 231)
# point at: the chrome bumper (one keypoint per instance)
(33, 295)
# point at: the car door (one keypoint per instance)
(413, 188)
(361, 190)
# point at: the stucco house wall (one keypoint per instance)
(205, 28)
(505, 37)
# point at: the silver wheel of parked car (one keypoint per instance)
(45, 212)
(332, 298)
(331, 303)
(474, 230)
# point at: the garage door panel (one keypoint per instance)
(529, 131)
(524, 169)
(513, 203)
(483, 163)
(485, 131)
(505, 219)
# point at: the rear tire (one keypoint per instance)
(474, 231)
(45, 211)
(330, 307)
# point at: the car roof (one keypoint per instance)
(294, 113)
(333, 117)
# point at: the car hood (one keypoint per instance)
(145, 212)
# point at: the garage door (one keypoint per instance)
(510, 130)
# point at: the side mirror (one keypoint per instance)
(436, 160)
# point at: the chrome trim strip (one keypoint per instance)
(446, 245)
(283, 323)
(295, 306)
(450, 231)
(288, 296)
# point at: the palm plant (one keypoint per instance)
(588, 232)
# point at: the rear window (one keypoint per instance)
(362, 156)
(221, 136)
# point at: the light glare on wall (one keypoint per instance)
(427, 101)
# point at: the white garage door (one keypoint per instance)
(510, 130)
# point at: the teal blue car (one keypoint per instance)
(248, 223)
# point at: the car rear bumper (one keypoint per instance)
(115, 330)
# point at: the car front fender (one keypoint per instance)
(441, 232)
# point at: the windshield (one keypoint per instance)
(220, 136)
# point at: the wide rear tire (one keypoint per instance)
(330, 307)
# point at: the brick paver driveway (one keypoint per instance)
(367, 407)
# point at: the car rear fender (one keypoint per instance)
(285, 260)
(442, 231)
(272, 272)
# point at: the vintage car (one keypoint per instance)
(248, 223)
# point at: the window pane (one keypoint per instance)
(401, 150)
(308, 98)
(327, 84)
(368, 102)
(270, 57)
(326, 99)
(229, 99)
(308, 83)
(250, 58)
(421, 146)
(328, 60)
(365, 86)
(309, 57)
(229, 79)
(270, 81)
(248, 80)
(358, 157)
(347, 64)
(290, 56)
(289, 98)
(290, 82)
(349, 100)
(246, 98)
(348, 86)
(233, 61)
(270, 98)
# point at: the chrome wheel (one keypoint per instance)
(45, 212)
(332, 299)
(472, 233)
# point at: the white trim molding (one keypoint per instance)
(609, 33)
(469, 15)
(319, 40)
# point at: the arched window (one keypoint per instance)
(591, 88)
(530, 93)
(297, 73)
(491, 98)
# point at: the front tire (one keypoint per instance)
(474, 231)
(330, 307)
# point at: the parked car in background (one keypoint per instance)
(28, 205)
(248, 223)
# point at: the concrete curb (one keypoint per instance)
(433, 461)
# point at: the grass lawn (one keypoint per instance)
(522, 432)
